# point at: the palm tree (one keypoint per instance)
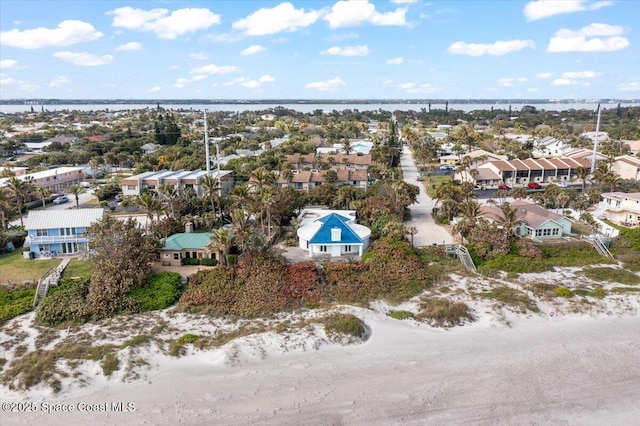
(19, 190)
(582, 173)
(76, 190)
(5, 206)
(221, 242)
(241, 228)
(169, 194)
(211, 188)
(151, 205)
(411, 230)
(508, 220)
(93, 165)
(43, 192)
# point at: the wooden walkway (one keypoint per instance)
(50, 279)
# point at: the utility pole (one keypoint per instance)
(206, 143)
(595, 143)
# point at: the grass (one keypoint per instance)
(401, 315)
(15, 268)
(77, 268)
(511, 297)
(345, 324)
(621, 290)
(615, 275)
(437, 181)
(443, 312)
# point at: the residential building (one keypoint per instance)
(532, 220)
(358, 146)
(602, 136)
(336, 161)
(622, 208)
(134, 185)
(333, 232)
(15, 171)
(521, 172)
(550, 147)
(59, 232)
(634, 147)
(149, 148)
(477, 156)
(56, 180)
(627, 167)
(186, 245)
(306, 180)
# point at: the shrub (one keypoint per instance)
(190, 261)
(443, 312)
(110, 364)
(346, 324)
(188, 339)
(163, 291)
(562, 292)
(208, 262)
(401, 315)
(302, 285)
(139, 340)
(14, 303)
(616, 275)
(232, 259)
(65, 303)
(511, 297)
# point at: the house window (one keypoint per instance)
(42, 232)
(538, 232)
(556, 231)
(323, 248)
(347, 249)
(176, 256)
(187, 254)
(194, 254)
(617, 203)
(131, 187)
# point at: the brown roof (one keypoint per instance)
(532, 164)
(548, 165)
(629, 160)
(355, 159)
(504, 166)
(531, 214)
(519, 164)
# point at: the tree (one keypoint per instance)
(76, 190)
(43, 193)
(241, 228)
(20, 190)
(120, 257)
(151, 205)
(211, 188)
(411, 230)
(6, 206)
(221, 242)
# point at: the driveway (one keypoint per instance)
(429, 232)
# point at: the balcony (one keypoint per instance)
(53, 239)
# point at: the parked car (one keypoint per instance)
(534, 185)
(61, 199)
(447, 167)
(504, 187)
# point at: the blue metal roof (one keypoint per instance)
(323, 235)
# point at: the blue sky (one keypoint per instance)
(243, 49)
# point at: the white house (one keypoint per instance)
(332, 232)
(627, 167)
(622, 208)
(550, 147)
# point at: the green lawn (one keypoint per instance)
(15, 268)
(436, 182)
(77, 268)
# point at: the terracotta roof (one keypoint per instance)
(532, 164)
(504, 166)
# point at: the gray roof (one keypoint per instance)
(72, 218)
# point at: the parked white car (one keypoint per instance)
(61, 199)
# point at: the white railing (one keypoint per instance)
(52, 239)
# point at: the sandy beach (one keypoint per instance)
(574, 369)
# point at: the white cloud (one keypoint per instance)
(154, 89)
(235, 80)
(544, 75)
(283, 17)
(348, 51)
(198, 77)
(540, 9)
(406, 86)
(563, 82)
(417, 88)
(158, 21)
(133, 45)
(58, 81)
(7, 63)
(404, 1)
(498, 48)
(67, 33)
(252, 50)
(505, 82)
(355, 13)
(327, 85)
(83, 59)
(631, 86)
(253, 84)
(198, 56)
(6, 80)
(341, 37)
(215, 69)
(580, 74)
(183, 81)
(522, 79)
(394, 61)
(592, 38)
(532, 89)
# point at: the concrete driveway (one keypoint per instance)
(429, 232)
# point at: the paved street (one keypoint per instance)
(429, 232)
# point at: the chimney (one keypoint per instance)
(189, 227)
(336, 235)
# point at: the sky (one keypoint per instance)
(356, 49)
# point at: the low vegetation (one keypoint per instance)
(401, 315)
(16, 269)
(77, 268)
(345, 325)
(614, 275)
(443, 312)
(14, 302)
(515, 299)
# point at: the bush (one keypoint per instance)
(401, 315)
(562, 292)
(14, 303)
(163, 291)
(512, 297)
(232, 259)
(443, 312)
(616, 275)
(346, 324)
(65, 303)
(110, 364)
(208, 262)
(188, 339)
(190, 261)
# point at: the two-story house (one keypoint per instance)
(135, 185)
(59, 232)
(622, 208)
(306, 180)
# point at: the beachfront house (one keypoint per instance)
(186, 245)
(532, 220)
(59, 232)
(622, 208)
(332, 232)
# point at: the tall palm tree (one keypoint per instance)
(5, 206)
(508, 220)
(43, 192)
(582, 173)
(151, 205)
(169, 193)
(20, 191)
(221, 242)
(211, 188)
(411, 230)
(241, 228)
(76, 190)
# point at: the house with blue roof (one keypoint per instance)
(333, 232)
(186, 245)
